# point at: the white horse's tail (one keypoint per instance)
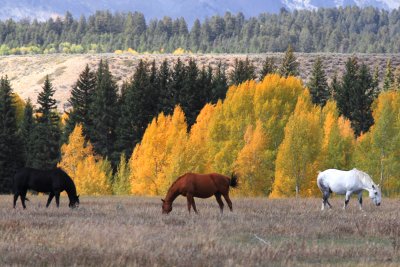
(319, 180)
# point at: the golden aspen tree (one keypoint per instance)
(86, 169)
(177, 138)
(19, 107)
(156, 160)
(379, 150)
(255, 163)
(338, 140)
(92, 178)
(75, 151)
(296, 163)
(121, 184)
(197, 149)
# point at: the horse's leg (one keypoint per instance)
(193, 203)
(15, 199)
(228, 200)
(325, 201)
(57, 195)
(219, 200)
(50, 199)
(360, 200)
(189, 204)
(347, 199)
(23, 197)
(329, 204)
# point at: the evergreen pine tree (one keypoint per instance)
(163, 80)
(375, 82)
(396, 84)
(80, 101)
(25, 132)
(290, 66)
(363, 96)
(176, 86)
(389, 79)
(10, 147)
(343, 92)
(355, 96)
(318, 85)
(268, 67)
(104, 113)
(242, 71)
(137, 109)
(219, 84)
(190, 95)
(46, 134)
(334, 86)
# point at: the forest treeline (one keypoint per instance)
(344, 30)
(276, 134)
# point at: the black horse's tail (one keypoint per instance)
(234, 182)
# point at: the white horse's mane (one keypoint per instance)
(365, 178)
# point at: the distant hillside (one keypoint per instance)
(27, 73)
(348, 30)
(189, 9)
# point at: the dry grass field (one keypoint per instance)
(120, 231)
(27, 73)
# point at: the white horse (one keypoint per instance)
(347, 183)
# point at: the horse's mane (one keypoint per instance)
(364, 177)
(177, 179)
(68, 179)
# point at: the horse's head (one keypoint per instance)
(376, 195)
(166, 207)
(74, 202)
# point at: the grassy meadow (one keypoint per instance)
(120, 231)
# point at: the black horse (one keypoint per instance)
(49, 181)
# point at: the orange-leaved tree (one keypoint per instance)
(296, 163)
(85, 168)
(155, 159)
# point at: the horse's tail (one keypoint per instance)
(234, 181)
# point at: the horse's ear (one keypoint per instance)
(373, 186)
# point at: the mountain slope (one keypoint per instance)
(190, 9)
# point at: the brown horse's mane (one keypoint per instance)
(177, 179)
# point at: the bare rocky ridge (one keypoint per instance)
(27, 73)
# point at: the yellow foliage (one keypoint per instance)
(296, 163)
(155, 161)
(19, 107)
(132, 51)
(255, 163)
(64, 118)
(79, 161)
(118, 52)
(91, 178)
(180, 51)
(378, 151)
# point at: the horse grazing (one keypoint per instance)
(347, 183)
(48, 181)
(193, 185)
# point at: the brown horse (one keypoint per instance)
(193, 185)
